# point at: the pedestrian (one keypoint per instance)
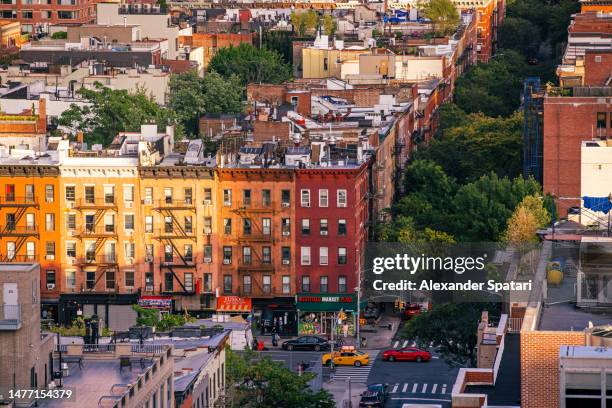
(345, 330)
(274, 337)
(364, 342)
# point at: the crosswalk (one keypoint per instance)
(356, 374)
(419, 388)
(401, 344)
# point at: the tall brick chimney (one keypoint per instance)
(41, 123)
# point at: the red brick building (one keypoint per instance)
(35, 16)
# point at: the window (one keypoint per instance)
(70, 279)
(266, 198)
(49, 193)
(341, 227)
(188, 281)
(130, 249)
(90, 251)
(188, 224)
(305, 256)
(27, 14)
(70, 193)
(285, 198)
(266, 224)
(50, 222)
(207, 225)
(227, 255)
(266, 284)
(323, 284)
(341, 256)
(168, 195)
(71, 249)
(149, 253)
(50, 249)
(10, 250)
(323, 226)
(168, 254)
(129, 279)
(246, 255)
(601, 120)
(128, 193)
(286, 284)
(148, 223)
(110, 279)
(109, 222)
(286, 227)
(208, 282)
(148, 195)
(341, 284)
(227, 283)
(109, 194)
(70, 221)
(90, 194)
(246, 198)
(246, 284)
(323, 198)
(305, 198)
(188, 253)
(50, 277)
(207, 196)
(247, 226)
(9, 191)
(208, 253)
(29, 193)
(305, 226)
(90, 279)
(286, 255)
(266, 255)
(188, 194)
(306, 284)
(168, 227)
(227, 226)
(227, 197)
(128, 221)
(341, 198)
(323, 256)
(325, 64)
(169, 282)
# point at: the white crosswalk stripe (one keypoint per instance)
(405, 343)
(396, 344)
(418, 388)
(357, 374)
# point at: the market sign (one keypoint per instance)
(234, 304)
(332, 302)
(155, 302)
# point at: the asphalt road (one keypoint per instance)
(291, 359)
(428, 383)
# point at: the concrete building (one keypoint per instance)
(38, 17)
(26, 355)
(10, 34)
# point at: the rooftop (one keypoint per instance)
(589, 352)
(566, 317)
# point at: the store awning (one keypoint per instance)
(234, 304)
(330, 302)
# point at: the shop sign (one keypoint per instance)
(234, 304)
(326, 303)
(155, 302)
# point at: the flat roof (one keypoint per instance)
(585, 352)
(18, 267)
(567, 317)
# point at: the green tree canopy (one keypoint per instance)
(443, 15)
(112, 111)
(252, 65)
(304, 21)
(266, 384)
(527, 218)
(191, 96)
(519, 34)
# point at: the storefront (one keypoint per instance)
(320, 314)
(275, 315)
(235, 305)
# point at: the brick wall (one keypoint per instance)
(540, 366)
(274, 94)
(264, 131)
(597, 68)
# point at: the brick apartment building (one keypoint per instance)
(36, 17)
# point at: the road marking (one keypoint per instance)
(443, 388)
(405, 343)
(405, 386)
(435, 387)
(395, 344)
(424, 390)
(419, 399)
(395, 388)
(413, 344)
(435, 357)
(414, 388)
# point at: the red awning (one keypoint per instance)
(234, 304)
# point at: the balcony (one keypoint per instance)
(254, 207)
(12, 201)
(254, 290)
(91, 259)
(174, 233)
(178, 262)
(106, 203)
(10, 317)
(15, 231)
(255, 238)
(256, 267)
(12, 258)
(103, 231)
(172, 204)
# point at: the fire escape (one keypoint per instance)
(95, 228)
(11, 228)
(252, 235)
(169, 234)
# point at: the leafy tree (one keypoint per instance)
(519, 34)
(266, 384)
(279, 41)
(451, 328)
(303, 21)
(527, 218)
(558, 21)
(250, 64)
(59, 35)
(329, 25)
(112, 111)
(402, 229)
(191, 96)
(443, 15)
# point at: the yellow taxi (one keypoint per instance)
(347, 355)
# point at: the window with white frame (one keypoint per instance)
(341, 198)
(128, 193)
(323, 256)
(305, 198)
(323, 198)
(305, 256)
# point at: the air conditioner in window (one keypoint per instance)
(72, 261)
(285, 261)
(50, 257)
(227, 261)
(149, 288)
(129, 204)
(50, 286)
(285, 205)
(129, 261)
(70, 233)
(323, 232)
(207, 260)
(70, 204)
(207, 231)
(286, 233)
(207, 202)
(147, 201)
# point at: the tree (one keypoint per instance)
(329, 25)
(402, 229)
(109, 112)
(59, 35)
(443, 15)
(519, 34)
(304, 20)
(250, 64)
(191, 96)
(529, 216)
(266, 384)
(451, 328)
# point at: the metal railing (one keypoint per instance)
(514, 324)
(18, 258)
(148, 348)
(10, 315)
(170, 203)
(11, 229)
(105, 202)
(12, 200)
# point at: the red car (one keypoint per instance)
(407, 354)
(412, 309)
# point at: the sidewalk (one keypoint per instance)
(339, 391)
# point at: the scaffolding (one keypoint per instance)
(533, 109)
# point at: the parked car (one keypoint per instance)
(347, 355)
(374, 396)
(407, 354)
(313, 343)
(412, 309)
